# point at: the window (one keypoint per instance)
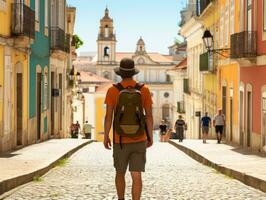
(37, 10)
(264, 15)
(3, 5)
(249, 10)
(106, 31)
(232, 17)
(61, 19)
(45, 103)
(46, 13)
(226, 23)
(222, 29)
(166, 94)
(106, 51)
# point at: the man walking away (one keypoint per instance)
(205, 124)
(219, 124)
(87, 130)
(180, 126)
(128, 100)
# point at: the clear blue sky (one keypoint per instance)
(155, 20)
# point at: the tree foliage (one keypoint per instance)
(77, 42)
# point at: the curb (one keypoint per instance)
(12, 183)
(244, 178)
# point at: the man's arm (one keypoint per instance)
(107, 125)
(149, 124)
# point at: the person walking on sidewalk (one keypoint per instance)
(205, 124)
(87, 130)
(128, 100)
(163, 130)
(180, 126)
(219, 124)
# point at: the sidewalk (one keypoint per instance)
(247, 167)
(19, 167)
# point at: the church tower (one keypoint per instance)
(140, 47)
(106, 40)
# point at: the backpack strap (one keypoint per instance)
(138, 86)
(119, 86)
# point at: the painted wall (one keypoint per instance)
(99, 116)
(247, 77)
(1, 88)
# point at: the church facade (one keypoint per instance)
(152, 67)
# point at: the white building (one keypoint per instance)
(152, 66)
(192, 30)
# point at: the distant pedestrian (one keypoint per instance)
(219, 124)
(163, 130)
(205, 124)
(87, 130)
(180, 127)
(77, 129)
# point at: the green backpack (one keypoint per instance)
(129, 119)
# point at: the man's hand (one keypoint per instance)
(107, 142)
(149, 143)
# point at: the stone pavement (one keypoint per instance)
(248, 167)
(170, 174)
(19, 167)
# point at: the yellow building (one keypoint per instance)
(16, 34)
(209, 17)
(228, 69)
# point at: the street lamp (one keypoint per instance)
(71, 74)
(208, 40)
(209, 43)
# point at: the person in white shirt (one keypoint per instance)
(219, 124)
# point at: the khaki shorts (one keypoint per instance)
(132, 154)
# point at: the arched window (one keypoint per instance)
(106, 51)
(106, 31)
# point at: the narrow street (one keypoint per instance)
(170, 174)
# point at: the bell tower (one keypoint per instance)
(140, 46)
(106, 40)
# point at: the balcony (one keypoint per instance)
(67, 43)
(180, 107)
(23, 24)
(186, 86)
(58, 39)
(244, 44)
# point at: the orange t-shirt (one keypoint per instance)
(112, 98)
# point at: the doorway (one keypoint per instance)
(249, 117)
(241, 119)
(264, 119)
(60, 113)
(52, 104)
(249, 15)
(231, 119)
(19, 115)
(38, 104)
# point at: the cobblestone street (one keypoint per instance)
(170, 174)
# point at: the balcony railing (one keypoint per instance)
(180, 107)
(58, 39)
(23, 20)
(244, 44)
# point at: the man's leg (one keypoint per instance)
(136, 185)
(120, 184)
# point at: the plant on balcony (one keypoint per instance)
(76, 41)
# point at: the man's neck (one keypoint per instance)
(127, 79)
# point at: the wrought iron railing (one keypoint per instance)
(58, 38)
(244, 44)
(23, 20)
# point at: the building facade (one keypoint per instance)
(16, 35)
(152, 66)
